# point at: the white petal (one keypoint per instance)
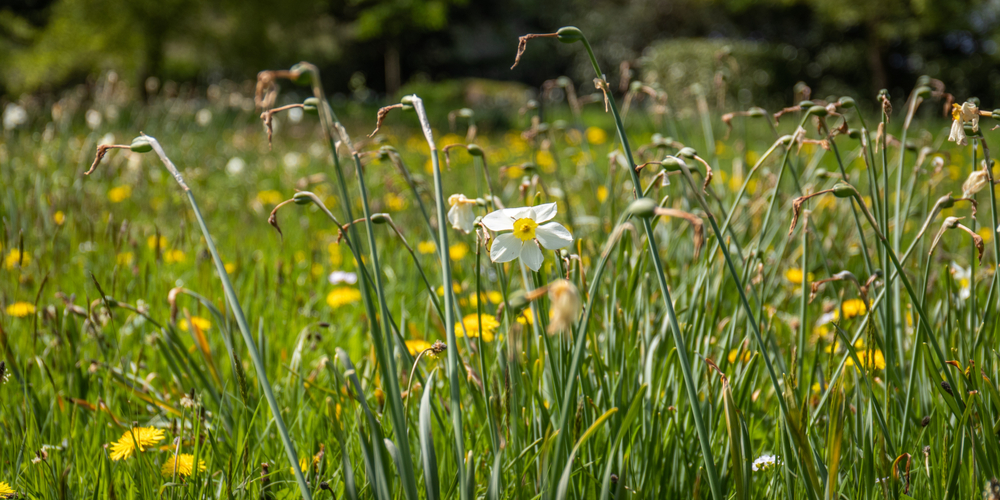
(531, 255)
(455, 217)
(553, 236)
(467, 218)
(544, 213)
(499, 220)
(506, 248)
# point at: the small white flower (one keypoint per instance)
(531, 228)
(14, 116)
(338, 277)
(765, 462)
(461, 215)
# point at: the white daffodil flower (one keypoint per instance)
(461, 215)
(967, 112)
(963, 275)
(531, 228)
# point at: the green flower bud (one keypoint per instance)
(311, 106)
(923, 91)
(846, 102)
(996, 114)
(569, 34)
(643, 207)
(806, 104)
(843, 190)
(883, 93)
(380, 218)
(853, 133)
(140, 145)
(946, 201)
(529, 167)
(302, 198)
(475, 150)
(756, 112)
(687, 152)
(817, 111)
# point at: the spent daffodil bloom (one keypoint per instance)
(531, 228)
(461, 215)
(967, 112)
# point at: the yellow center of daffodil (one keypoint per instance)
(524, 229)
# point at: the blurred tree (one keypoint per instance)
(396, 21)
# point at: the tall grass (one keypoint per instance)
(850, 355)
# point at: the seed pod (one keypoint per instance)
(846, 102)
(380, 218)
(923, 92)
(475, 150)
(947, 387)
(643, 207)
(946, 201)
(756, 112)
(817, 111)
(853, 133)
(311, 106)
(140, 145)
(806, 104)
(569, 34)
(883, 94)
(996, 114)
(302, 198)
(843, 190)
(924, 422)
(687, 152)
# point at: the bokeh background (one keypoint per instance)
(749, 52)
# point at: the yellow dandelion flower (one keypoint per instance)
(269, 197)
(426, 247)
(735, 355)
(854, 307)
(416, 346)
(455, 287)
(21, 309)
(458, 251)
(596, 135)
(174, 256)
(202, 323)
(342, 296)
(471, 325)
(15, 258)
(492, 297)
(119, 194)
(6, 491)
(546, 161)
(182, 465)
(136, 439)
(59, 217)
(152, 242)
(515, 172)
(124, 258)
(794, 276)
(304, 464)
(395, 202)
(602, 194)
(526, 318)
(230, 267)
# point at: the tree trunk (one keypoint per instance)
(392, 78)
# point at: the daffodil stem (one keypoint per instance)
(494, 437)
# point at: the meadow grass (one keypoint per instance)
(750, 307)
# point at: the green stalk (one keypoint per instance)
(241, 321)
(691, 387)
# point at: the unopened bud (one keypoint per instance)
(846, 102)
(946, 386)
(817, 111)
(380, 218)
(140, 145)
(311, 106)
(924, 422)
(475, 150)
(843, 190)
(643, 207)
(806, 104)
(302, 74)
(687, 152)
(853, 133)
(569, 34)
(672, 164)
(923, 92)
(756, 112)
(946, 201)
(303, 198)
